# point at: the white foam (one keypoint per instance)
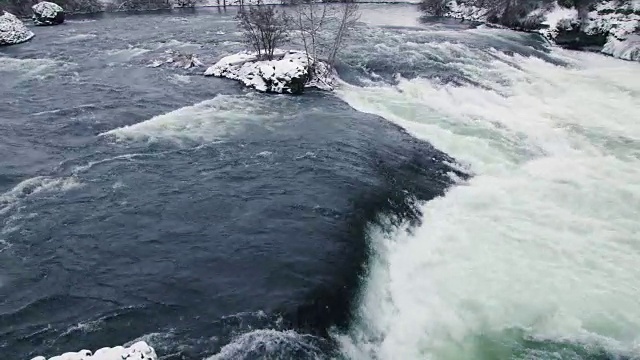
(207, 121)
(137, 351)
(545, 238)
(126, 54)
(27, 66)
(79, 37)
(35, 186)
(266, 341)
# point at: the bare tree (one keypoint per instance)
(311, 19)
(185, 3)
(348, 17)
(264, 28)
(323, 28)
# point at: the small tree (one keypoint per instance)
(264, 28)
(348, 17)
(324, 27)
(311, 19)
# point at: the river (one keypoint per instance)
(465, 193)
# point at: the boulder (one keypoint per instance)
(626, 49)
(12, 30)
(570, 34)
(47, 13)
(288, 72)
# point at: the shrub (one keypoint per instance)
(264, 28)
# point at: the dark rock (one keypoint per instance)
(570, 35)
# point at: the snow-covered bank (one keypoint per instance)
(12, 30)
(611, 27)
(138, 351)
(215, 3)
(287, 73)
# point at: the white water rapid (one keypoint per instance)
(535, 257)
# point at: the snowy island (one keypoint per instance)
(289, 72)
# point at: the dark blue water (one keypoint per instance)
(223, 212)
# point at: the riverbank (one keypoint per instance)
(609, 27)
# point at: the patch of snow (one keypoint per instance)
(138, 351)
(279, 2)
(628, 49)
(617, 20)
(467, 12)
(554, 17)
(284, 74)
(12, 30)
(47, 13)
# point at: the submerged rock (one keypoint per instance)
(138, 351)
(287, 73)
(47, 13)
(12, 30)
(177, 59)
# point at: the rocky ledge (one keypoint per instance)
(289, 72)
(47, 13)
(12, 30)
(138, 351)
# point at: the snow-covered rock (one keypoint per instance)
(627, 49)
(459, 10)
(12, 30)
(138, 351)
(47, 13)
(287, 73)
(612, 27)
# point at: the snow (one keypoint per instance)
(281, 75)
(616, 23)
(137, 351)
(12, 30)
(467, 12)
(618, 20)
(47, 9)
(45, 13)
(553, 17)
(628, 49)
(279, 2)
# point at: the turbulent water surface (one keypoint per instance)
(466, 193)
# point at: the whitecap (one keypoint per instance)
(33, 187)
(206, 121)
